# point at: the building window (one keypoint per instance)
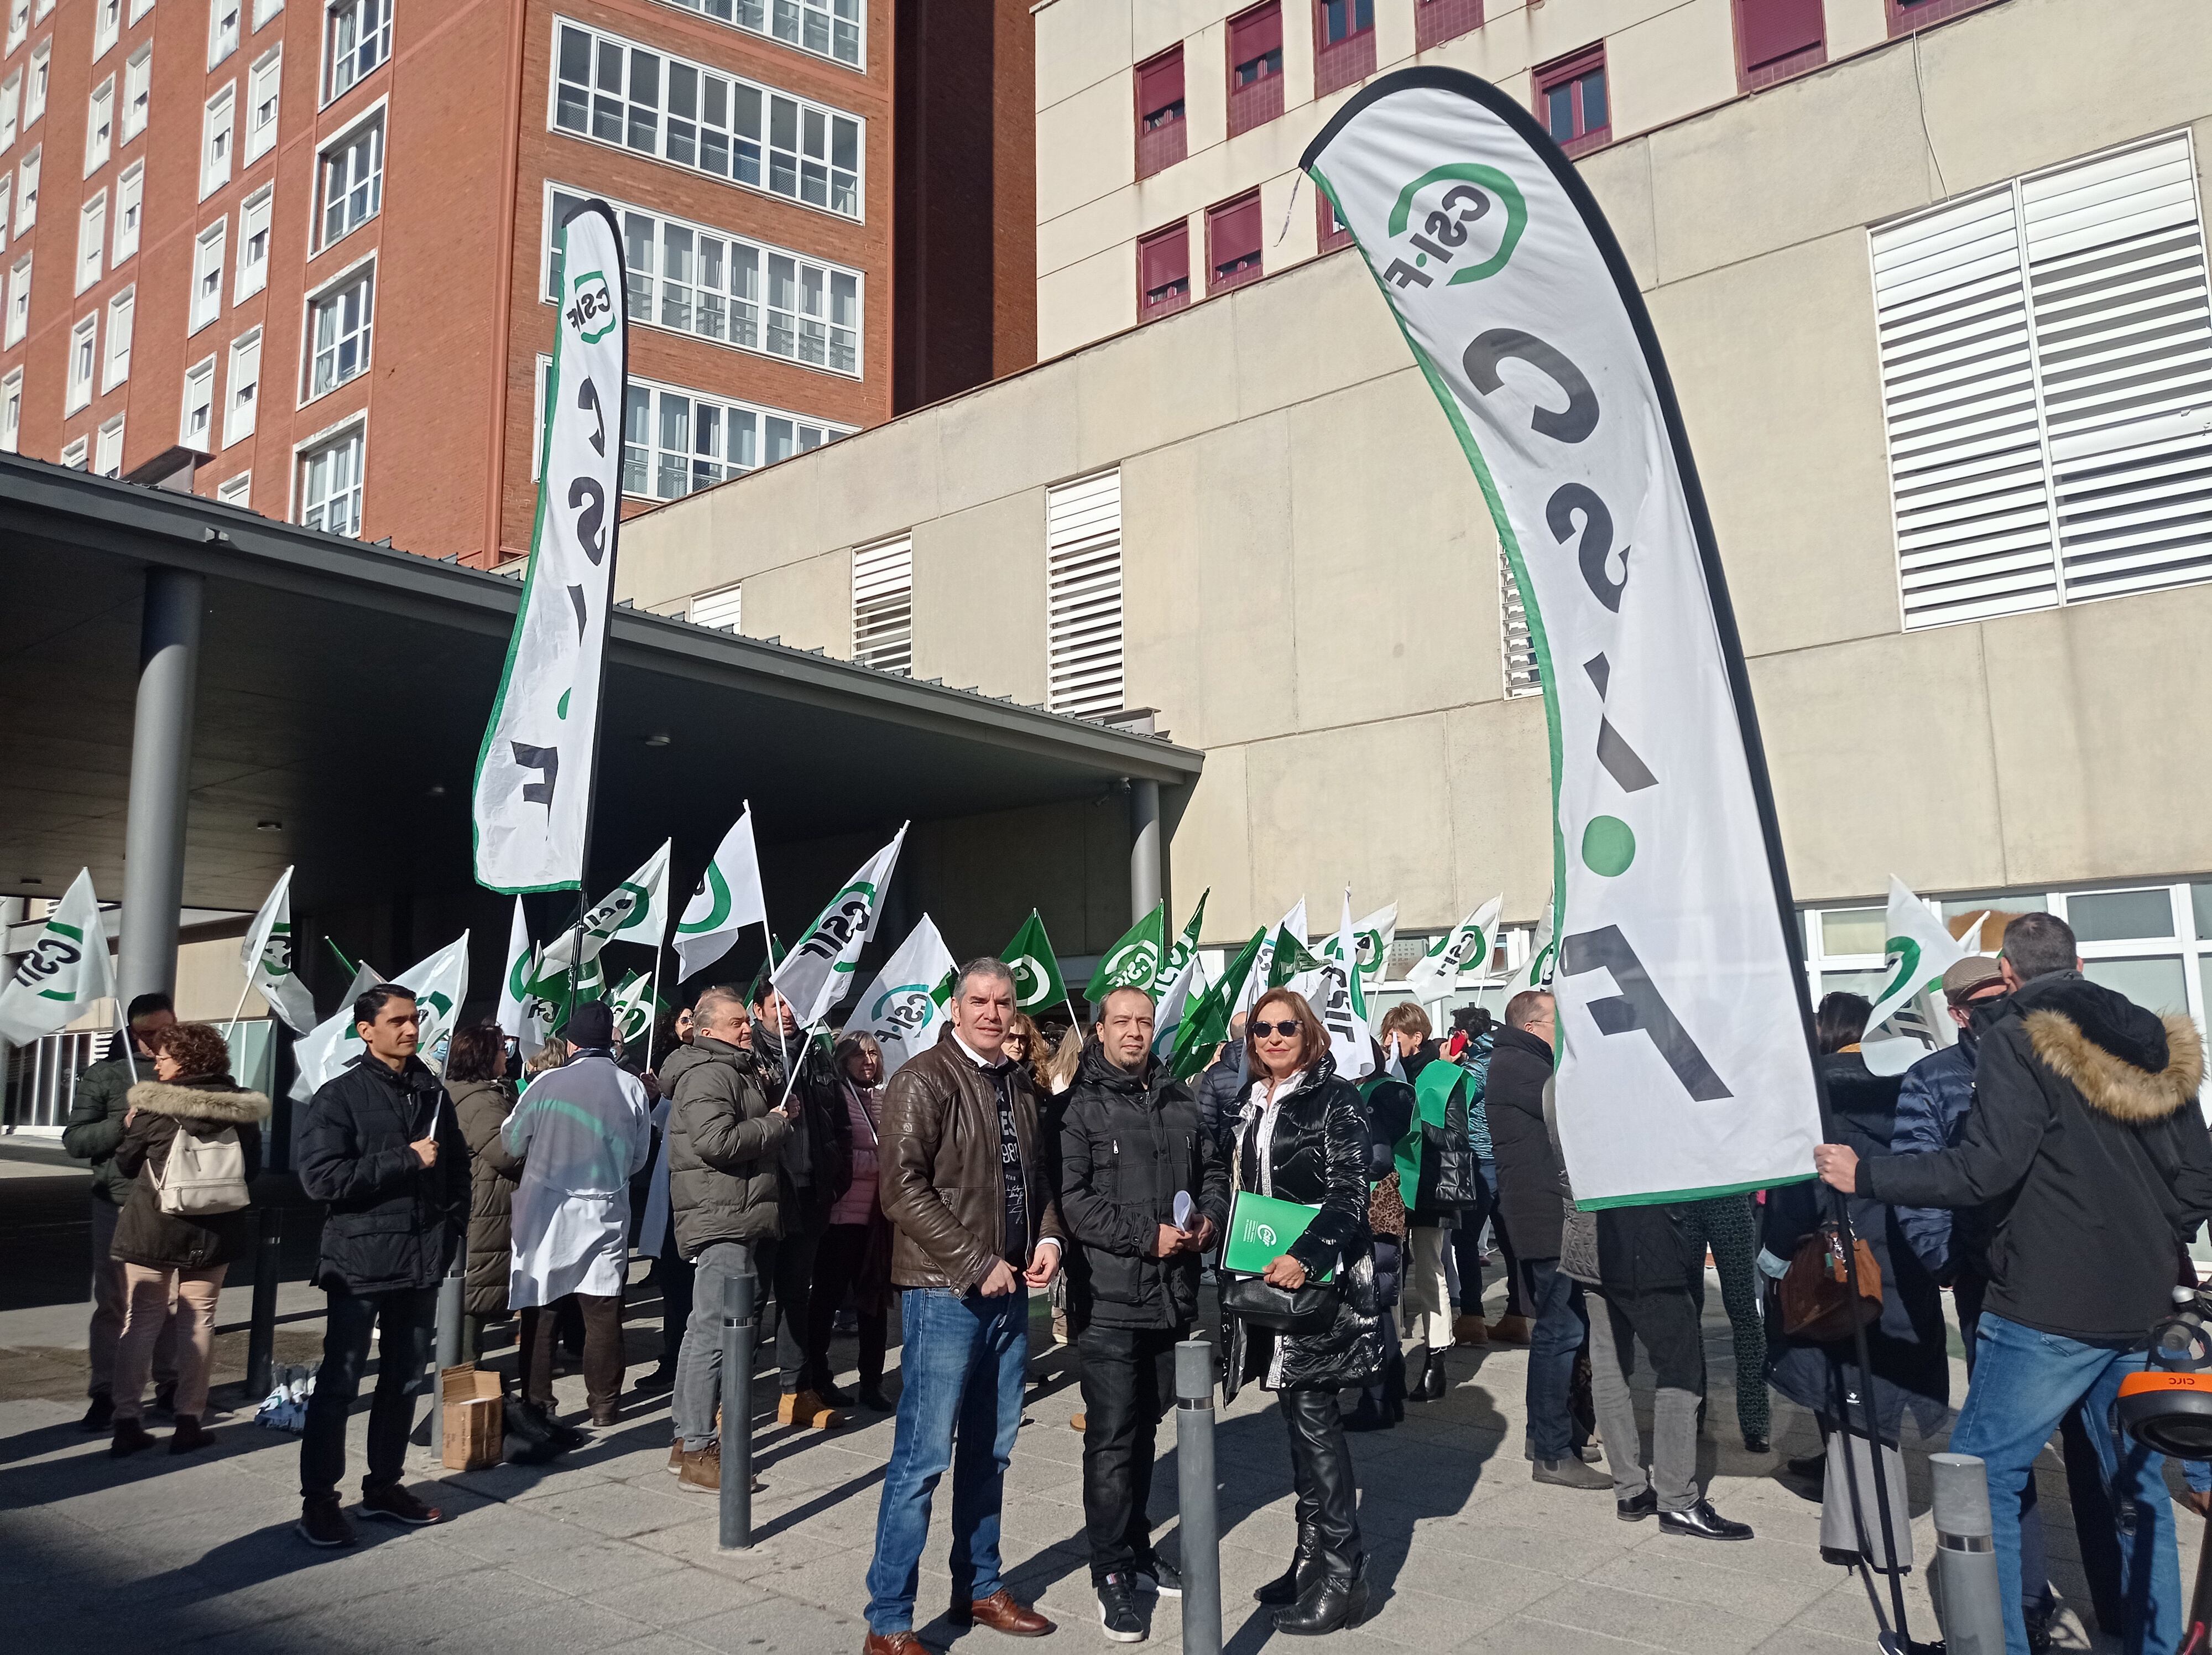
(107, 453)
(35, 87)
(331, 482)
(713, 285)
(1232, 244)
(222, 30)
(611, 92)
(340, 323)
(253, 242)
(91, 239)
(1436, 22)
(1907, 16)
(1572, 100)
(1162, 134)
(26, 192)
(2043, 347)
(243, 400)
(7, 203)
(120, 315)
(218, 130)
(84, 356)
(1344, 43)
(140, 8)
(352, 172)
(19, 301)
(1330, 231)
(830, 28)
(262, 97)
(1163, 272)
(1524, 676)
(883, 606)
(19, 22)
(73, 458)
(207, 274)
(236, 491)
(99, 127)
(1083, 596)
(675, 442)
(137, 90)
(1777, 39)
(356, 38)
(196, 427)
(723, 609)
(264, 10)
(11, 107)
(11, 411)
(129, 207)
(1255, 67)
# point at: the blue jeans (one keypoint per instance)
(961, 1361)
(2024, 1383)
(1554, 1302)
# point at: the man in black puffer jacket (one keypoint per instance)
(1220, 1090)
(2085, 1134)
(381, 1147)
(1131, 1141)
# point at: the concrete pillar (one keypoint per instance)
(1144, 849)
(160, 767)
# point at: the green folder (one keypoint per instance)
(1262, 1230)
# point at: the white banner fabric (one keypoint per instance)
(813, 976)
(266, 956)
(66, 972)
(901, 1007)
(729, 898)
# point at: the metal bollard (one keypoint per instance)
(261, 1330)
(1199, 1523)
(737, 1434)
(1969, 1607)
(449, 1344)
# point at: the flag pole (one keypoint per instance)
(230, 1032)
(652, 1003)
(122, 1027)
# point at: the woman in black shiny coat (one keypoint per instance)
(1303, 1137)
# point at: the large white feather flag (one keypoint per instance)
(729, 898)
(66, 973)
(266, 954)
(1684, 1066)
(905, 1006)
(533, 785)
(1437, 971)
(814, 975)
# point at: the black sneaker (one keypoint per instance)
(395, 1504)
(100, 1414)
(1160, 1576)
(322, 1524)
(1117, 1611)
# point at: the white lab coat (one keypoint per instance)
(582, 1132)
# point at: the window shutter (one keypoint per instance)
(1234, 231)
(1523, 676)
(723, 609)
(1777, 28)
(1083, 596)
(1257, 32)
(883, 606)
(1167, 257)
(1159, 83)
(2124, 347)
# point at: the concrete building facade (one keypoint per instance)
(1959, 495)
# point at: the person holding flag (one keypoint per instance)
(818, 1168)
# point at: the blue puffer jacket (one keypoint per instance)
(1931, 1114)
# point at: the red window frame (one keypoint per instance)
(1160, 146)
(1233, 234)
(1326, 237)
(1338, 64)
(1906, 16)
(1256, 35)
(1561, 71)
(1436, 22)
(1159, 256)
(1772, 42)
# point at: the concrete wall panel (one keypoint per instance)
(979, 597)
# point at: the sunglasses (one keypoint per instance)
(1287, 1029)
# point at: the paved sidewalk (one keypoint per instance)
(602, 1552)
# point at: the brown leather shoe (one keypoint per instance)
(1469, 1330)
(1509, 1330)
(1002, 1612)
(676, 1457)
(894, 1643)
(701, 1470)
(806, 1409)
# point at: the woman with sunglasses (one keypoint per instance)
(1303, 1138)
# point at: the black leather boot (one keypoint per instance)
(1291, 1585)
(1336, 1600)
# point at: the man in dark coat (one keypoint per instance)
(817, 1167)
(1131, 1142)
(1529, 1207)
(380, 1147)
(1219, 1089)
(2085, 1131)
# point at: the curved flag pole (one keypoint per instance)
(1427, 255)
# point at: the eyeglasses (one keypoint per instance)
(1287, 1029)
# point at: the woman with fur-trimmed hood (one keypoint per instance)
(178, 1258)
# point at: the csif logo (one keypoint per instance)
(591, 308)
(841, 923)
(1133, 963)
(1465, 212)
(904, 1012)
(1031, 984)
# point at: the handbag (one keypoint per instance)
(1816, 1293)
(1256, 1301)
(203, 1176)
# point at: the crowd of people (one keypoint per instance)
(2049, 1170)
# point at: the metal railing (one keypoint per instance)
(41, 1078)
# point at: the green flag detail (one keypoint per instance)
(1206, 1026)
(1037, 981)
(1184, 946)
(1134, 962)
(1292, 959)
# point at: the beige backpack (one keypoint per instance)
(203, 1176)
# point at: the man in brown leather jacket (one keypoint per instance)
(966, 1182)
